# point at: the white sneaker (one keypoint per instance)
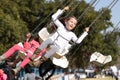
(37, 58)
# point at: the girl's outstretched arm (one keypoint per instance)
(85, 33)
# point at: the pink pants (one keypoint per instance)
(28, 48)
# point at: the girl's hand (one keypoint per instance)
(28, 35)
(86, 29)
(66, 8)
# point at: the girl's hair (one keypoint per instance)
(62, 20)
(68, 18)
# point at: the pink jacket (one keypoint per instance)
(31, 46)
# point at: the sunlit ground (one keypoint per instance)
(57, 77)
(106, 78)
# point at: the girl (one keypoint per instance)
(60, 38)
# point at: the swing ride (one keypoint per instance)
(59, 59)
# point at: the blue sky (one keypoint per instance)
(115, 10)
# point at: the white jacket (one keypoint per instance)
(62, 36)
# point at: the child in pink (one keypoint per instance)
(28, 48)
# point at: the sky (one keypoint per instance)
(115, 11)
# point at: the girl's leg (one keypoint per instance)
(45, 44)
(11, 51)
(42, 47)
(53, 49)
(23, 64)
(26, 60)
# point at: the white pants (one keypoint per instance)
(53, 48)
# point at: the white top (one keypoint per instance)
(62, 36)
(29, 76)
(114, 70)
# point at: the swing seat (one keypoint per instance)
(99, 59)
(61, 61)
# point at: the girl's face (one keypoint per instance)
(70, 23)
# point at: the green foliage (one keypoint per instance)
(12, 28)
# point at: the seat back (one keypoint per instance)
(43, 34)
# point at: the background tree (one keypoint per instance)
(11, 25)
